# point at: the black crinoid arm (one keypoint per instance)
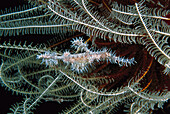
(85, 56)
